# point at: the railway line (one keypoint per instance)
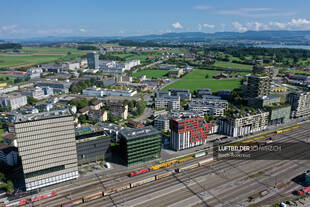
(144, 190)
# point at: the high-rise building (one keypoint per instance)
(47, 147)
(188, 132)
(271, 71)
(93, 60)
(300, 102)
(139, 145)
(258, 86)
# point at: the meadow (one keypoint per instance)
(151, 73)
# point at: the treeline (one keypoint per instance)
(135, 43)
(4, 46)
(278, 54)
(78, 87)
(108, 56)
(87, 47)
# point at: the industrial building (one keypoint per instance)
(140, 145)
(188, 132)
(46, 145)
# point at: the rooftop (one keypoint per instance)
(133, 133)
(41, 116)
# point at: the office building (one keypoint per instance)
(300, 102)
(263, 101)
(188, 132)
(93, 60)
(140, 145)
(13, 101)
(92, 146)
(46, 145)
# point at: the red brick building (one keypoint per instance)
(188, 132)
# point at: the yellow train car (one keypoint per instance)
(288, 129)
(185, 159)
(162, 165)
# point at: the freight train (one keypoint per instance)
(133, 184)
(33, 199)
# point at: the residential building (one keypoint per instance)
(34, 73)
(224, 93)
(134, 124)
(258, 86)
(37, 93)
(207, 109)
(92, 146)
(57, 86)
(211, 102)
(46, 145)
(170, 102)
(271, 71)
(262, 101)
(98, 115)
(184, 94)
(175, 73)
(8, 89)
(13, 101)
(140, 145)
(188, 132)
(236, 125)
(92, 60)
(96, 105)
(300, 102)
(204, 91)
(8, 154)
(162, 123)
(119, 110)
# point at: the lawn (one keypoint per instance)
(223, 64)
(151, 73)
(214, 85)
(38, 55)
(197, 79)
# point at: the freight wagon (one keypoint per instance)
(74, 202)
(200, 154)
(141, 182)
(206, 161)
(114, 190)
(185, 159)
(187, 167)
(92, 196)
(162, 165)
(163, 175)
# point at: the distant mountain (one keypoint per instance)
(287, 37)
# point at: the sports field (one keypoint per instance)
(151, 73)
(197, 79)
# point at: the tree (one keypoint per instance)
(32, 100)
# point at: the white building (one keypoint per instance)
(93, 91)
(243, 125)
(114, 67)
(172, 102)
(162, 123)
(99, 92)
(14, 101)
(207, 109)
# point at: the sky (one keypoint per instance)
(37, 18)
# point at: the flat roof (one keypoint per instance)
(133, 133)
(42, 116)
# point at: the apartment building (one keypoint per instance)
(119, 109)
(258, 86)
(300, 102)
(188, 132)
(13, 101)
(164, 102)
(207, 109)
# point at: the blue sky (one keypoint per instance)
(34, 18)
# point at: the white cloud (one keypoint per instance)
(199, 27)
(209, 26)
(239, 27)
(278, 25)
(82, 30)
(257, 26)
(298, 22)
(177, 25)
(8, 27)
(202, 7)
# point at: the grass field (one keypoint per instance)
(29, 56)
(214, 85)
(151, 73)
(223, 64)
(197, 79)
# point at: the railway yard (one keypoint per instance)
(258, 182)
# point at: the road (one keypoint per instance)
(222, 183)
